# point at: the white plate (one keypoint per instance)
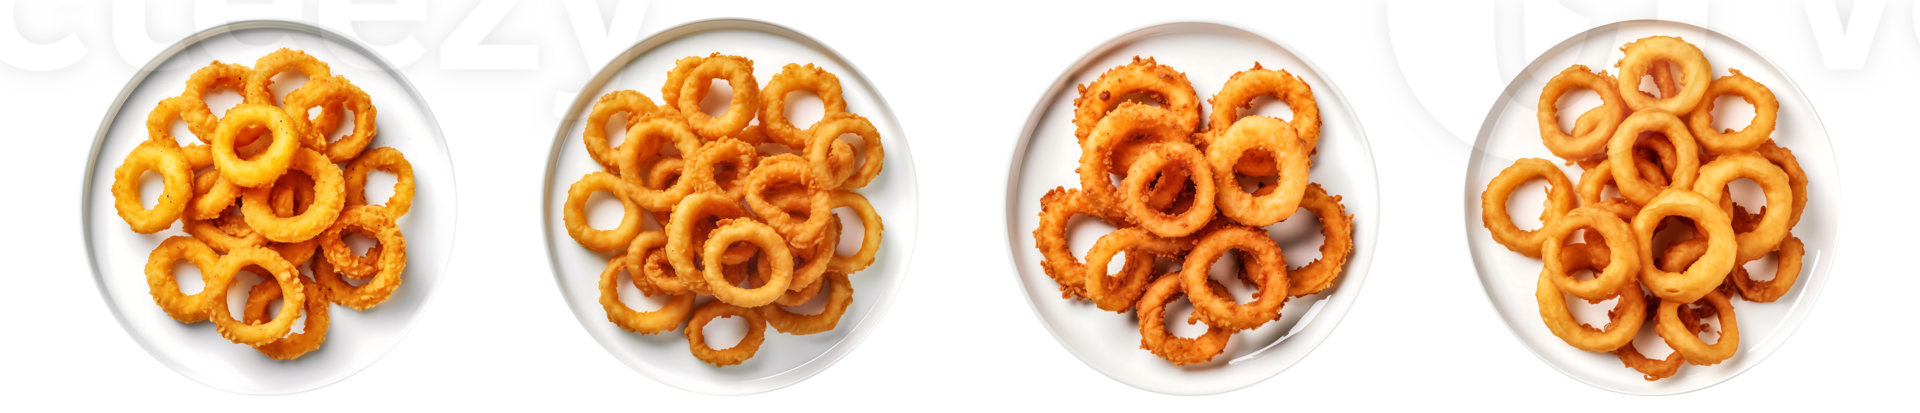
(1512, 132)
(355, 339)
(1047, 154)
(784, 359)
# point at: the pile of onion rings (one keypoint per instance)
(266, 191)
(1672, 170)
(746, 208)
(1181, 199)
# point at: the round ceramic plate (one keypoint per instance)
(1512, 132)
(783, 359)
(354, 338)
(1047, 154)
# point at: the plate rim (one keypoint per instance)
(1811, 292)
(140, 77)
(1064, 80)
(610, 70)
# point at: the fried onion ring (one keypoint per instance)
(575, 213)
(1131, 124)
(293, 295)
(272, 65)
(1641, 56)
(1607, 116)
(790, 170)
(869, 240)
(166, 292)
(839, 297)
(1134, 201)
(392, 263)
(1620, 154)
(341, 95)
(1627, 315)
(739, 353)
(1162, 82)
(1152, 312)
(703, 172)
(1244, 86)
(266, 167)
(666, 318)
(819, 152)
(1688, 343)
(629, 102)
(1791, 251)
(1796, 177)
(792, 78)
(293, 345)
(384, 159)
(1622, 267)
(1219, 310)
(738, 71)
(1704, 275)
(1493, 204)
(171, 164)
(1772, 228)
(1249, 134)
(329, 198)
(1118, 295)
(1336, 225)
(772, 247)
(1766, 111)
(681, 236)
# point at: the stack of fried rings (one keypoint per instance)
(263, 191)
(746, 208)
(1175, 177)
(1672, 171)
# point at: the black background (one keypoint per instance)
(960, 331)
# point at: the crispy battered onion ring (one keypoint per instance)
(697, 342)
(641, 264)
(1773, 225)
(1163, 83)
(869, 240)
(1594, 181)
(702, 170)
(1152, 312)
(266, 167)
(1796, 177)
(1118, 295)
(256, 334)
(393, 260)
(1641, 56)
(1134, 201)
(1493, 204)
(839, 296)
(1244, 86)
(792, 78)
(200, 120)
(273, 64)
(772, 247)
(774, 171)
(329, 198)
(1688, 343)
(666, 318)
(1250, 134)
(384, 159)
(1607, 116)
(657, 197)
(1621, 270)
(293, 345)
(575, 213)
(1766, 111)
(171, 164)
(738, 71)
(819, 152)
(1620, 154)
(166, 292)
(1627, 315)
(1704, 275)
(336, 93)
(681, 235)
(1791, 251)
(629, 102)
(1220, 310)
(1336, 225)
(1057, 209)
(1131, 124)
(211, 194)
